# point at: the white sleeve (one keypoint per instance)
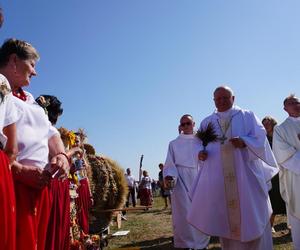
(286, 155)
(52, 131)
(293, 163)
(170, 167)
(12, 113)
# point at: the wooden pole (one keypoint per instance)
(140, 169)
(125, 209)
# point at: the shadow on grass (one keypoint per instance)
(160, 243)
(165, 244)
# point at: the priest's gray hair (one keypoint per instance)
(226, 88)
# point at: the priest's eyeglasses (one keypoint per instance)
(185, 123)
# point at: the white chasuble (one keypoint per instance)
(231, 186)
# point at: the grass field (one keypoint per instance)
(152, 230)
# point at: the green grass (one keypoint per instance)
(152, 230)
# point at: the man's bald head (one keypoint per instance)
(226, 88)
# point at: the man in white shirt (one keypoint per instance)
(131, 187)
(286, 147)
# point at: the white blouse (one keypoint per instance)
(33, 132)
(8, 112)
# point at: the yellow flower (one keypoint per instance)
(71, 138)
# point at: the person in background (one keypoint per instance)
(85, 198)
(286, 147)
(278, 204)
(145, 191)
(38, 141)
(131, 188)
(231, 189)
(181, 167)
(165, 193)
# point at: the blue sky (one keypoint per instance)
(127, 70)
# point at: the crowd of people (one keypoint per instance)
(227, 182)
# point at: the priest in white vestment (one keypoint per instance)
(286, 147)
(182, 165)
(231, 190)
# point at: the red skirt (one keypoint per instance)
(58, 232)
(83, 204)
(145, 197)
(7, 206)
(33, 210)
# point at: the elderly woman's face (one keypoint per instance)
(24, 70)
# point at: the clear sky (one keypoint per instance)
(127, 70)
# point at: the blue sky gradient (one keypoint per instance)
(127, 70)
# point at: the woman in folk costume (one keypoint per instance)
(68, 138)
(145, 191)
(38, 141)
(8, 152)
(58, 231)
(85, 198)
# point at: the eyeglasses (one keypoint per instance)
(185, 123)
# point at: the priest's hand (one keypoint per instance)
(237, 142)
(202, 156)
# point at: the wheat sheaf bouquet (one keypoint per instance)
(207, 135)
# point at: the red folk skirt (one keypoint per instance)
(7, 206)
(145, 197)
(83, 204)
(33, 210)
(58, 232)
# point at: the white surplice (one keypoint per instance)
(245, 218)
(286, 147)
(182, 164)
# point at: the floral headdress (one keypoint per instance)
(67, 136)
(44, 103)
(71, 138)
(4, 90)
